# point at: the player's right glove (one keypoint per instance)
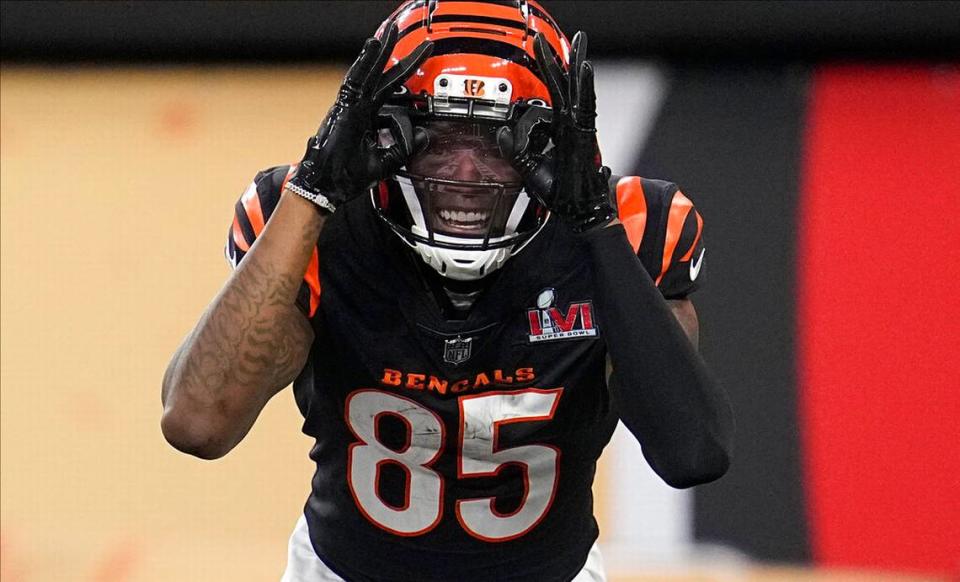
(343, 158)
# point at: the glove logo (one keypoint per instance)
(548, 322)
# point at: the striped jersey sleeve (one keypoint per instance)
(251, 214)
(665, 230)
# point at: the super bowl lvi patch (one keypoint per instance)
(548, 322)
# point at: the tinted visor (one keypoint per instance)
(463, 186)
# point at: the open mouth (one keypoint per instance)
(463, 221)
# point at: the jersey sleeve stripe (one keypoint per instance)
(680, 207)
(632, 209)
(696, 240)
(237, 236)
(246, 229)
(251, 205)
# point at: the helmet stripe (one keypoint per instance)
(465, 19)
(539, 12)
(488, 47)
(503, 19)
(473, 18)
(479, 9)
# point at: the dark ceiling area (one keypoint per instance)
(176, 31)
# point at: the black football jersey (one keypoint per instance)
(461, 449)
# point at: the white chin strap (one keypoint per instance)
(462, 265)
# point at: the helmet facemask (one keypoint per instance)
(458, 202)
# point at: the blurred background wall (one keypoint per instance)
(819, 139)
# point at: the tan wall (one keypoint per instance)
(117, 190)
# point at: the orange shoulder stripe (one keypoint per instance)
(696, 240)
(251, 204)
(238, 239)
(680, 206)
(632, 209)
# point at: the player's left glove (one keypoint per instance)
(569, 179)
(344, 158)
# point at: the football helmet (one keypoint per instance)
(458, 203)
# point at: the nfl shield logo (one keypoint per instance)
(457, 351)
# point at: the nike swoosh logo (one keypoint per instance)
(695, 266)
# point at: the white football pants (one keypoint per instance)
(303, 565)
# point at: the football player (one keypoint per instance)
(444, 277)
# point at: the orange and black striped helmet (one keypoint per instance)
(482, 56)
(457, 202)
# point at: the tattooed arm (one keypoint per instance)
(251, 342)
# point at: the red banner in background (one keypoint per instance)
(879, 317)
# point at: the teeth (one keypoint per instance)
(463, 217)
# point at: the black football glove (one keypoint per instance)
(569, 178)
(343, 158)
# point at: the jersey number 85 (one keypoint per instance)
(479, 455)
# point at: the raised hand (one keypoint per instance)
(343, 158)
(569, 179)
